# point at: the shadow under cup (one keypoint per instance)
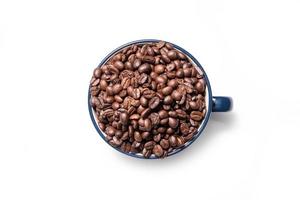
(213, 103)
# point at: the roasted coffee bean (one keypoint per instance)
(180, 141)
(143, 79)
(161, 129)
(164, 144)
(124, 118)
(136, 93)
(200, 86)
(149, 145)
(154, 119)
(165, 58)
(184, 128)
(170, 131)
(194, 105)
(147, 124)
(97, 72)
(172, 54)
(134, 117)
(154, 102)
(163, 114)
(158, 151)
(157, 137)
(148, 59)
(146, 113)
(172, 114)
(145, 68)
(148, 99)
(118, 64)
(173, 123)
(137, 136)
(109, 90)
(161, 80)
(146, 153)
(118, 134)
(196, 115)
(117, 88)
(164, 121)
(144, 101)
(158, 69)
(173, 141)
(176, 95)
(137, 63)
(167, 90)
(168, 100)
(118, 99)
(115, 105)
(173, 83)
(140, 109)
(110, 131)
(145, 135)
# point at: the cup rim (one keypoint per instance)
(200, 128)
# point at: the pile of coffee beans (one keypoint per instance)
(148, 99)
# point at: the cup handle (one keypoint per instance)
(221, 104)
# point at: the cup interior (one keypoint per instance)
(208, 98)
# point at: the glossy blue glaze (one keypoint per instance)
(210, 102)
(221, 104)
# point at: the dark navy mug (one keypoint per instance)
(213, 103)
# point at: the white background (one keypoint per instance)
(49, 148)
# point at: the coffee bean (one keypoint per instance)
(146, 113)
(164, 144)
(148, 124)
(137, 63)
(173, 141)
(124, 118)
(154, 102)
(161, 79)
(115, 105)
(163, 114)
(173, 114)
(173, 83)
(136, 93)
(137, 136)
(176, 95)
(157, 137)
(158, 151)
(180, 141)
(146, 153)
(164, 121)
(194, 105)
(148, 59)
(173, 123)
(117, 88)
(97, 72)
(170, 131)
(145, 135)
(145, 68)
(196, 115)
(134, 117)
(144, 101)
(149, 145)
(158, 69)
(118, 64)
(109, 90)
(184, 128)
(168, 100)
(172, 54)
(110, 131)
(167, 90)
(200, 86)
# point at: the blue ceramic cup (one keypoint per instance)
(213, 103)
